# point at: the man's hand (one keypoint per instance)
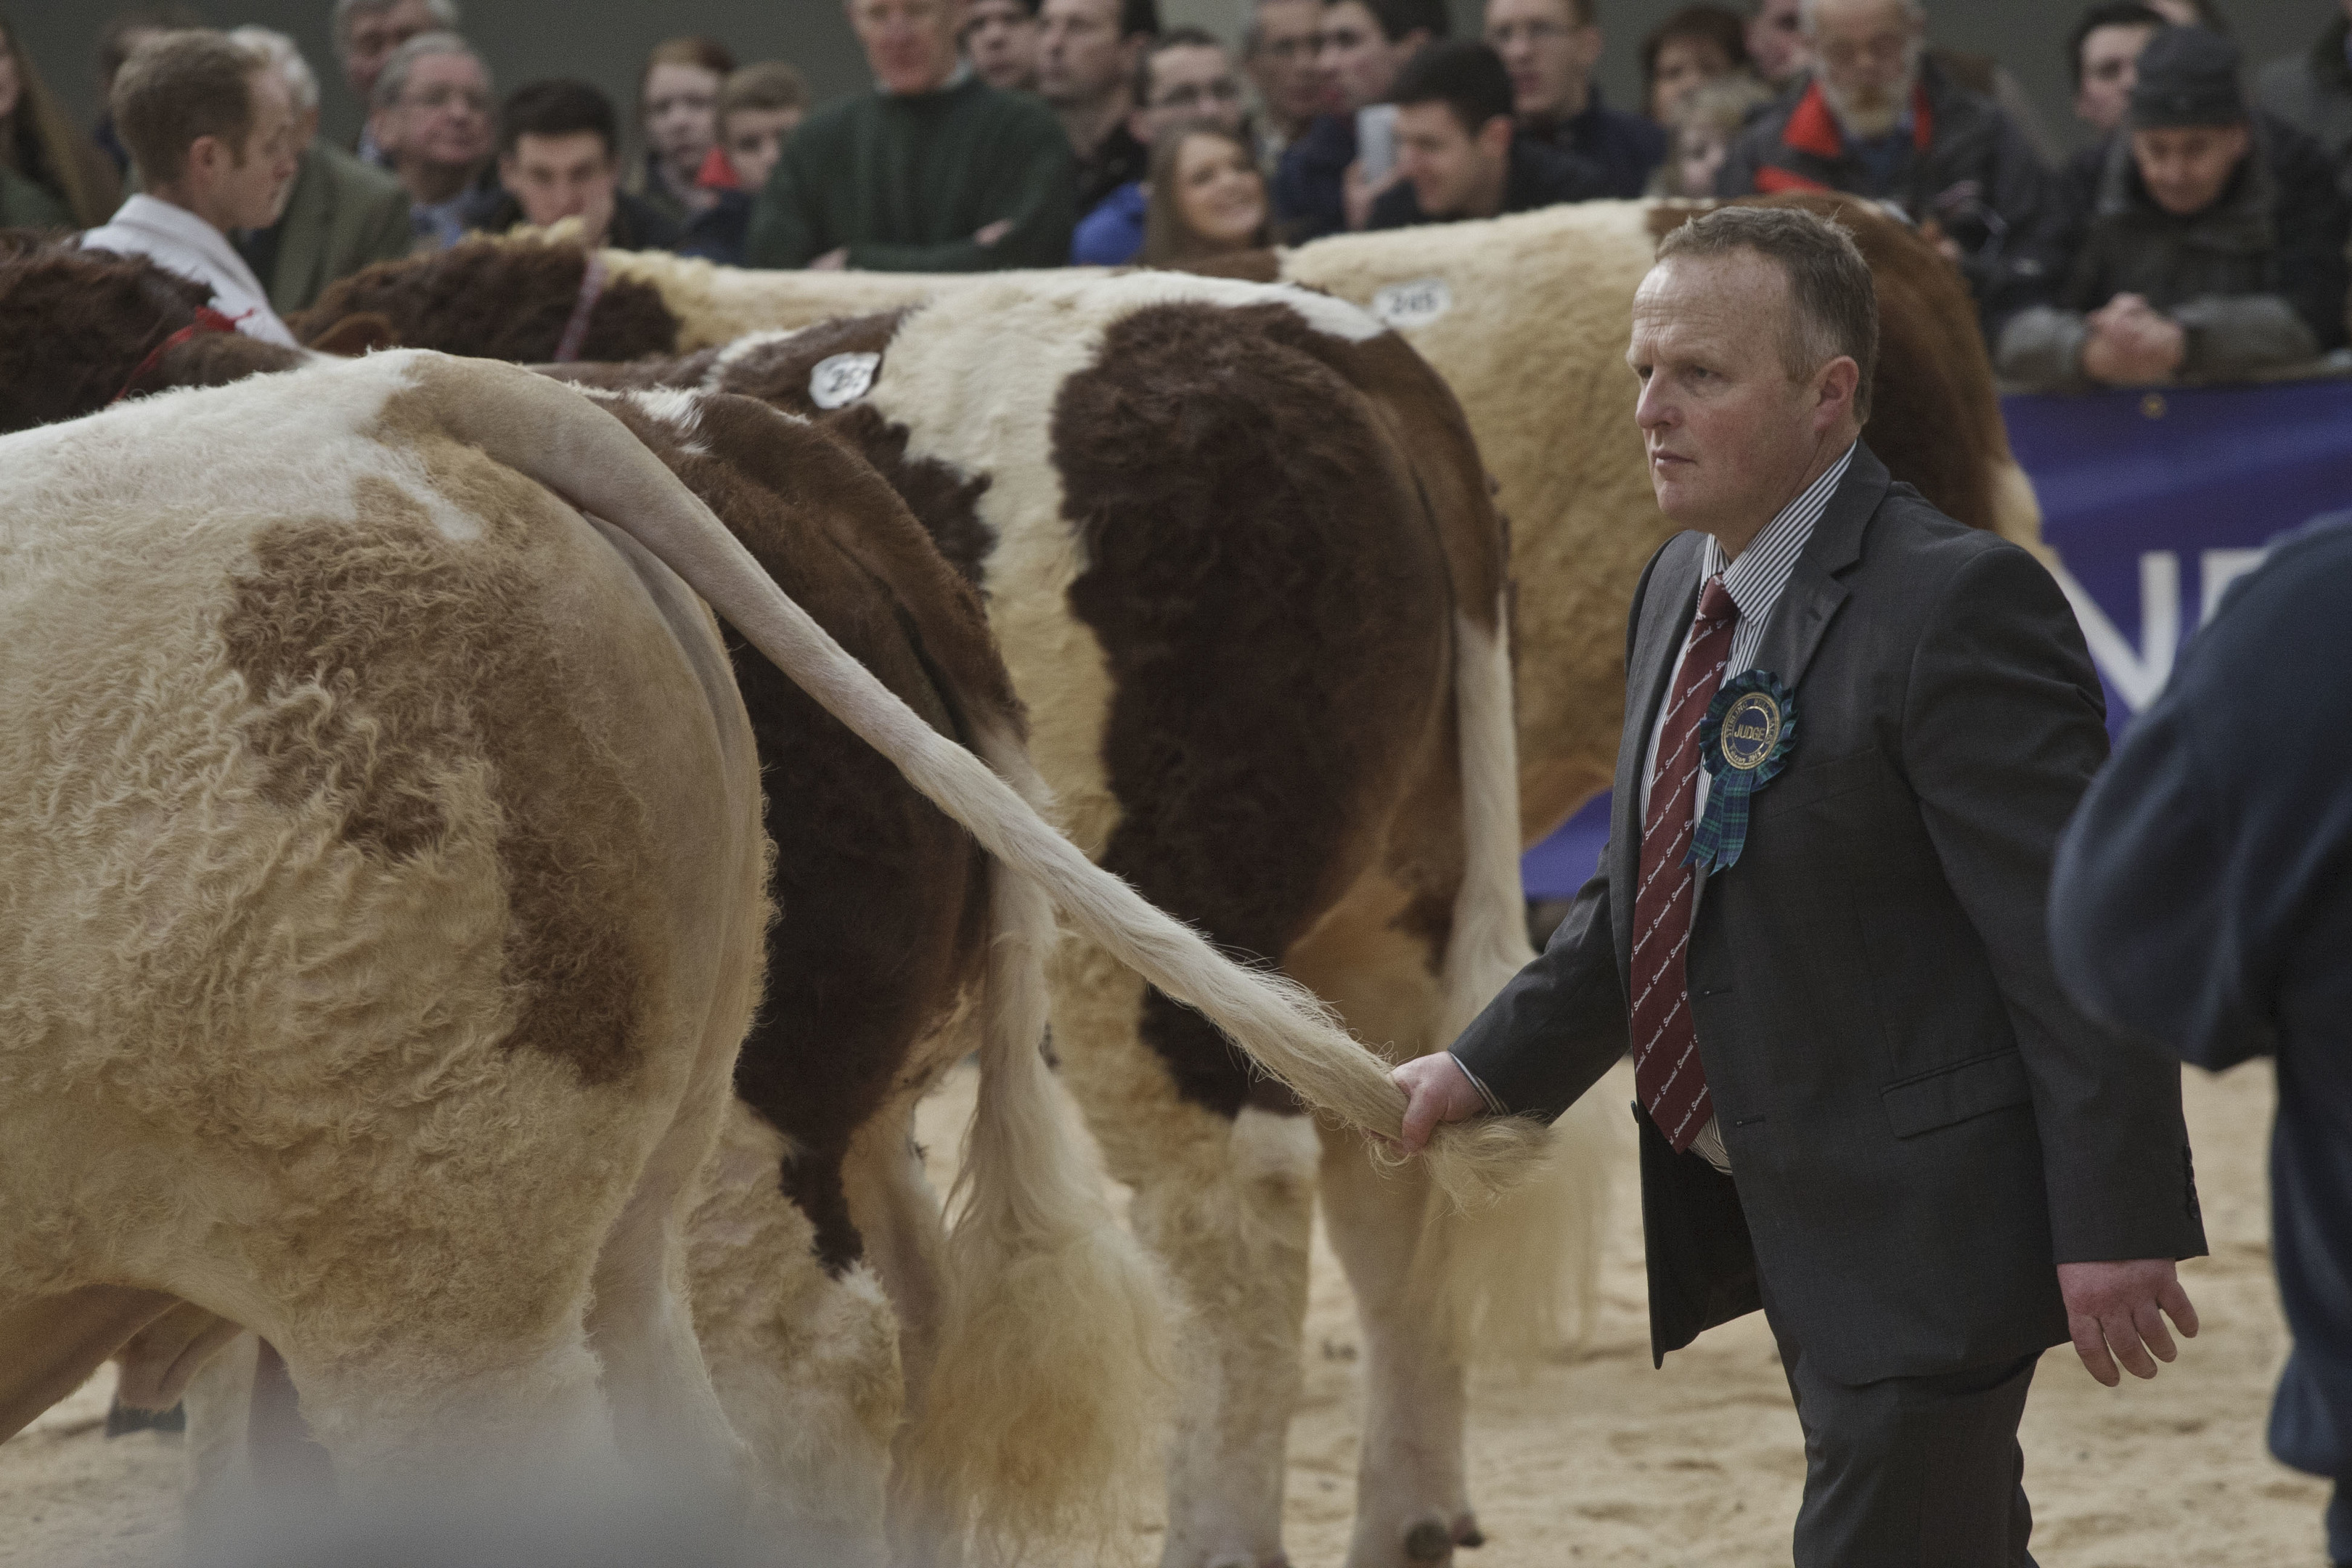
(2132, 343)
(1357, 195)
(2114, 1306)
(833, 260)
(988, 234)
(1436, 1090)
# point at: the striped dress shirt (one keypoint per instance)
(1755, 582)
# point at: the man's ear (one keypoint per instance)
(507, 174)
(1835, 392)
(1139, 124)
(1494, 138)
(208, 156)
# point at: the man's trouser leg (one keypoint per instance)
(1912, 1472)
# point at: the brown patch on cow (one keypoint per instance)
(217, 358)
(355, 335)
(382, 659)
(1251, 532)
(1935, 418)
(686, 372)
(1263, 265)
(944, 499)
(74, 324)
(881, 898)
(491, 299)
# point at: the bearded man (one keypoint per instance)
(1882, 120)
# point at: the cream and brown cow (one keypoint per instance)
(384, 908)
(1237, 547)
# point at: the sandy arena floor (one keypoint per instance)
(1594, 1459)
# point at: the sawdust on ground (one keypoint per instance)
(1592, 1459)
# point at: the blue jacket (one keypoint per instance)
(1111, 234)
(2203, 901)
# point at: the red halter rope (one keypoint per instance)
(208, 320)
(575, 331)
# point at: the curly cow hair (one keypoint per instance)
(75, 324)
(505, 299)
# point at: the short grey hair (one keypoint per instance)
(395, 80)
(444, 12)
(281, 53)
(1828, 283)
(1806, 9)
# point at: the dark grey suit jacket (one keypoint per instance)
(1920, 1124)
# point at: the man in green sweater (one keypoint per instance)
(933, 171)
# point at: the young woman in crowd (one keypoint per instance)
(50, 177)
(1692, 47)
(1704, 132)
(1207, 198)
(678, 115)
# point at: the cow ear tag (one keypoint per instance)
(1744, 741)
(840, 379)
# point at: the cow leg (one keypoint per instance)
(221, 1488)
(666, 1413)
(806, 1358)
(1397, 1241)
(896, 1211)
(50, 1344)
(1412, 1503)
(1227, 1203)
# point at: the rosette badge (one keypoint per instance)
(1744, 740)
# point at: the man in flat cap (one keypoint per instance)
(2211, 245)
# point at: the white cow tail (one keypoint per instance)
(560, 438)
(1037, 1422)
(1516, 1278)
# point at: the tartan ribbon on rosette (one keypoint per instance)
(1744, 741)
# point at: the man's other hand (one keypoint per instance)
(988, 234)
(1436, 1090)
(2118, 1306)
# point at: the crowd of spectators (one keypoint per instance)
(2200, 233)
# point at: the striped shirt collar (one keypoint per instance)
(1755, 580)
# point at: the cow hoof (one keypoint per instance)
(121, 1419)
(1428, 1541)
(1466, 1532)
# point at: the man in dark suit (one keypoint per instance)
(1864, 1104)
(2200, 903)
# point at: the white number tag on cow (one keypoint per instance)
(842, 379)
(1403, 306)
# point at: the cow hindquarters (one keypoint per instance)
(696, 776)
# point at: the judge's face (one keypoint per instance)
(1727, 432)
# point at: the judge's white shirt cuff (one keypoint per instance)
(1494, 1107)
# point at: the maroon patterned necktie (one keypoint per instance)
(1666, 1073)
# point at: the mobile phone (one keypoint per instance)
(1376, 142)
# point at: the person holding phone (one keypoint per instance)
(1458, 154)
(1330, 178)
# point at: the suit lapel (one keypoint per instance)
(1813, 595)
(1665, 611)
